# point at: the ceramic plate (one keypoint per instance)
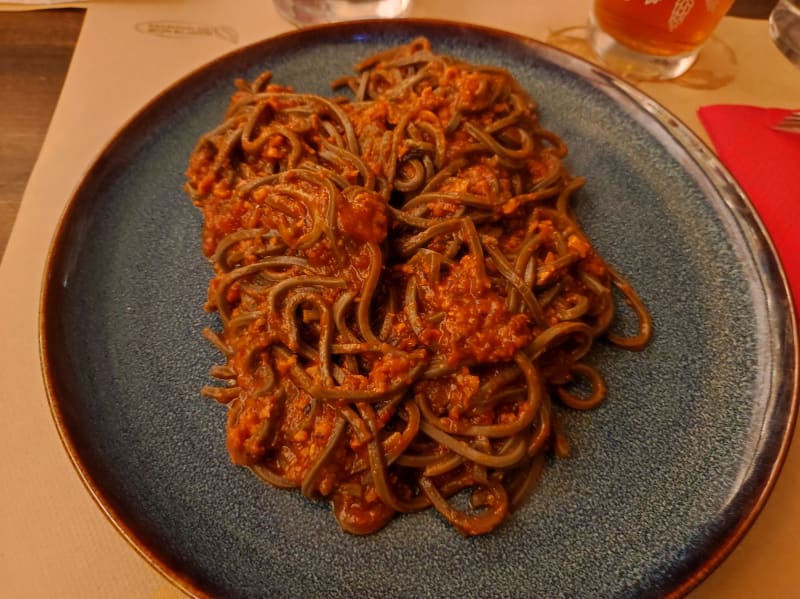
(664, 478)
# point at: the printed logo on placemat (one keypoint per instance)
(178, 29)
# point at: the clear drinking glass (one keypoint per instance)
(653, 39)
(312, 12)
(784, 28)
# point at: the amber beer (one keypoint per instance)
(660, 27)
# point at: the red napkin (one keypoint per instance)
(766, 163)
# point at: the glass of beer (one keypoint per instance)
(653, 39)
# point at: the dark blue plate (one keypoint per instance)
(665, 477)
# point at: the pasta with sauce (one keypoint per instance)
(403, 289)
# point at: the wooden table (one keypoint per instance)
(35, 51)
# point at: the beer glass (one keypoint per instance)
(653, 39)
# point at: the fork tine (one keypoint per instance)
(790, 123)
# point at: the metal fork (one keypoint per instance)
(790, 123)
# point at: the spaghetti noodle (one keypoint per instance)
(402, 287)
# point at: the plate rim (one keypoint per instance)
(743, 211)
